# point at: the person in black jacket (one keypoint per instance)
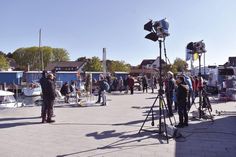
(169, 91)
(49, 98)
(43, 83)
(182, 93)
(65, 91)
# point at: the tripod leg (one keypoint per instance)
(209, 108)
(152, 119)
(163, 102)
(151, 109)
(167, 111)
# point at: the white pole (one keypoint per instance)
(104, 62)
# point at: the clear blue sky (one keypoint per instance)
(84, 27)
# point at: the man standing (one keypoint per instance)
(131, 84)
(169, 90)
(49, 98)
(190, 91)
(43, 83)
(144, 83)
(100, 79)
(182, 92)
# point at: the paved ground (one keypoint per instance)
(112, 131)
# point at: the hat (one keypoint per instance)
(169, 72)
(50, 75)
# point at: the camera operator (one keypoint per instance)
(182, 93)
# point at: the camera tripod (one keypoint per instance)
(162, 105)
(205, 104)
(203, 98)
(162, 114)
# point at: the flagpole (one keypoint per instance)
(191, 61)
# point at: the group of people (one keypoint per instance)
(181, 90)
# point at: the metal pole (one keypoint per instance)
(41, 53)
(204, 65)
(104, 62)
(161, 87)
(200, 90)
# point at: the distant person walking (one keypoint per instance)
(105, 87)
(100, 79)
(126, 85)
(152, 83)
(65, 91)
(120, 84)
(49, 98)
(145, 83)
(131, 84)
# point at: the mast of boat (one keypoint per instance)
(41, 53)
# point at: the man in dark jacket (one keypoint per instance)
(49, 98)
(169, 90)
(43, 83)
(144, 83)
(65, 91)
(182, 93)
(131, 84)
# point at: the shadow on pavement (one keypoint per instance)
(126, 140)
(18, 118)
(15, 124)
(208, 139)
(10, 125)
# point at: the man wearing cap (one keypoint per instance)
(49, 98)
(169, 90)
(43, 83)
(182, 93)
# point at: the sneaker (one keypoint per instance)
(170, 115)
(51, 121)
(185, 124)
(103, 104)
(179, 125)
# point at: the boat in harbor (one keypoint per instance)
(7, 100)
(34, 89)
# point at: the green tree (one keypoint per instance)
(179, 65)
(60, 54)
(119, 66)
(4, 65)
(93, 64)
(81, 59)
(32, 56)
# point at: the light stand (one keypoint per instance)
(200, 90)
(158, 33)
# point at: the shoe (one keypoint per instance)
(51, 121)
(44, 121)
(170, 115)
(179, 126)
(103, 104)
(185, 124)
(98, 102)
